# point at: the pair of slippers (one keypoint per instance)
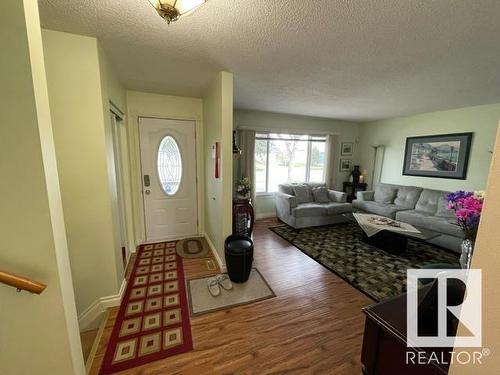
(218, 281)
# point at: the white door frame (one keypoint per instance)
(199, 204)
(118, 155)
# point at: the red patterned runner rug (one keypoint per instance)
(153, 320)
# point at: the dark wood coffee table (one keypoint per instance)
(391, 241)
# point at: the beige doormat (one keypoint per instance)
(202, 302)
(196, 247)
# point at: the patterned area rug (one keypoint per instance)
(378, 274)
(153, 320)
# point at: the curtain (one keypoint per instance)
(247, 158)
(378, 163)
(330, 160)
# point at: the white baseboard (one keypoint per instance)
(217, 257)
(265, 215)
(90, 317)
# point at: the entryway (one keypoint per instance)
(169, 186)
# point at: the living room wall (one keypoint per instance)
(481, 120)
(268, 121)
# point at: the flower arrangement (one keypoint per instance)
(243, 187)
(467, 206)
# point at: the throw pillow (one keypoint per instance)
(320, 195)
(303, 193)
(385, 194)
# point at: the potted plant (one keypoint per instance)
(243, 188)
(467, 206)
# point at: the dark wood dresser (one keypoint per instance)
(384, 342)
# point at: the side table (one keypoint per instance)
(351, 189)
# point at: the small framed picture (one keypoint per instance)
(345, 165)
(346, 148)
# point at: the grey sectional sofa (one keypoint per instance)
(424, 208)
(297, 206)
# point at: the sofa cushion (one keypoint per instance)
(320, 194)
(365, 195)
(337, 196)
(388, 210)
(385, 194)
(428, 221)
(303, 193)
(309, 209)
(338, 208)
(442, 207)
(360, 205)
(286, 188)
(428, 201)
(443, 225)
(407, 196)
(313, 185)
(412, 216)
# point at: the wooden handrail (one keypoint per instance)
(21, 283)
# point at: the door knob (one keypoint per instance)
(148, 192)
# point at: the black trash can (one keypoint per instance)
(239, 257)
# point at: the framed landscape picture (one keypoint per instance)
(442, 156)
(346, 148)
(345, 165)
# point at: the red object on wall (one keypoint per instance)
(217, 159)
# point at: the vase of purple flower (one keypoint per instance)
(467, 206)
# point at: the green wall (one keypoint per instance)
(78, 99)
(218, 127)
(482, 120)
(38, 333)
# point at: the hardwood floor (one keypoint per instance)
(87, 338)
(314, 325)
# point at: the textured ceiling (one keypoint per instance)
(346, 59)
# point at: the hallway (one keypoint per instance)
(314, 325)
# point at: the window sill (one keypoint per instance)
(264, 195)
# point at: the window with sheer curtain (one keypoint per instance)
(281, 158)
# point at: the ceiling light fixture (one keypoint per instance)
(172, 10)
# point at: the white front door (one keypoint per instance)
(168, 159)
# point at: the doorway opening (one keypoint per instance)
(118, 131)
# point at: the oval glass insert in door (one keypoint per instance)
(169, 163)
